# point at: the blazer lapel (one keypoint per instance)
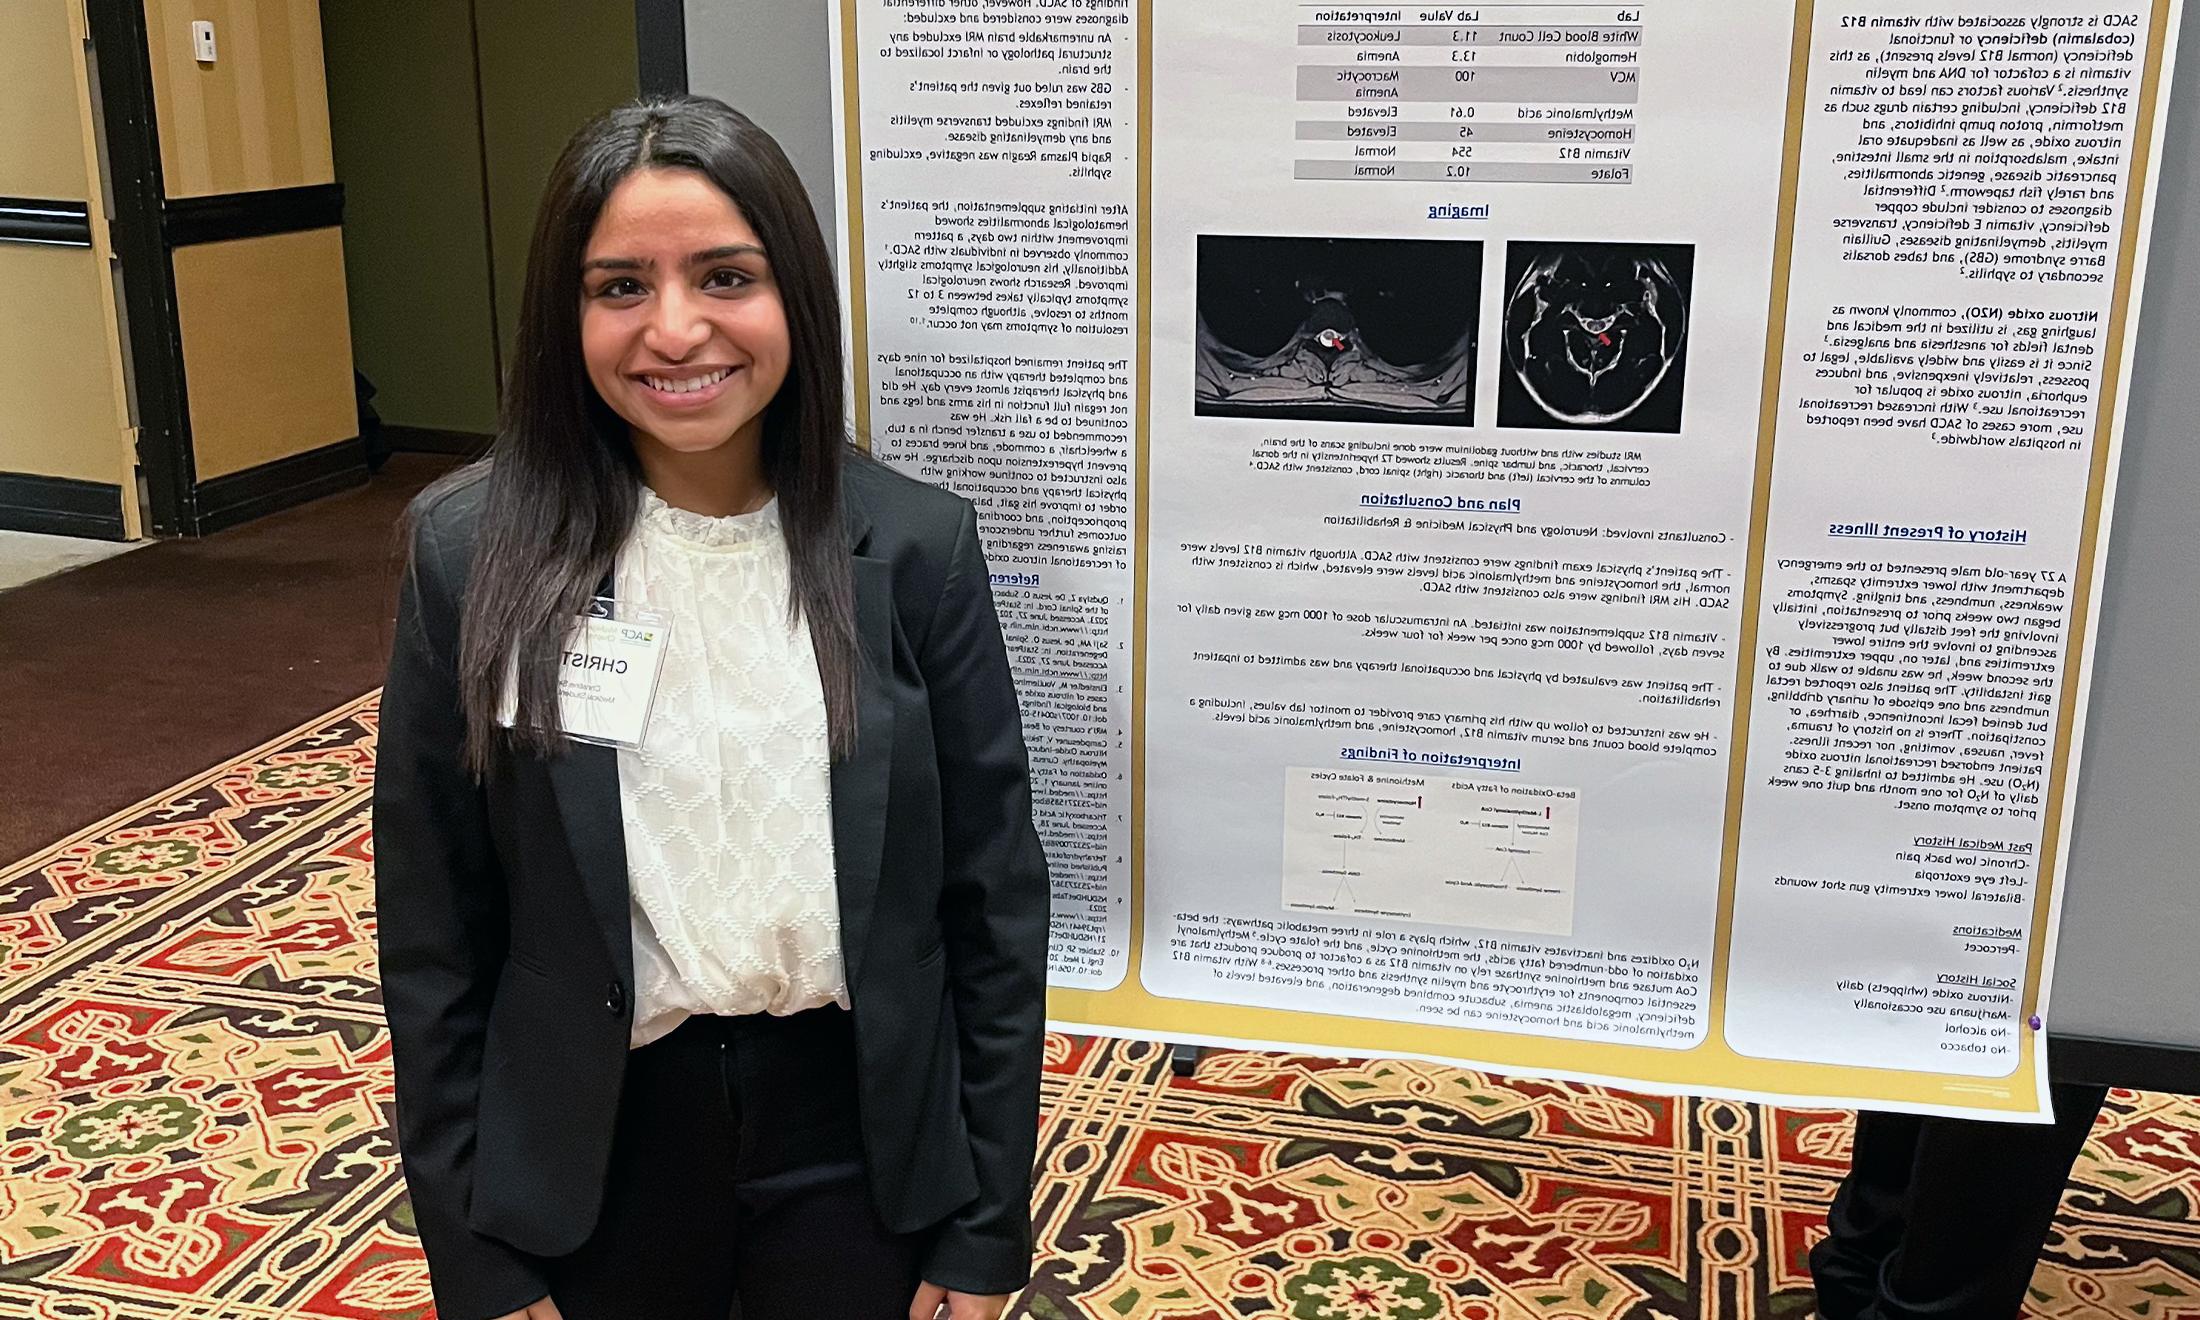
(860, 781)
(585, 782)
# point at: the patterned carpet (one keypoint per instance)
(195, 1087)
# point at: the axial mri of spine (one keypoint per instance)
(1592, 332)
(1339, 329)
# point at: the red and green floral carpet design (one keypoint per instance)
(195, 1097)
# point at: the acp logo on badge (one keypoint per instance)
(636, 635)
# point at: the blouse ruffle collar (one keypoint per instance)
(705, 531)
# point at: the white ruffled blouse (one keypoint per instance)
(728, 802)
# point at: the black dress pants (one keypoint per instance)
(1944, 1217)
(737, 1185)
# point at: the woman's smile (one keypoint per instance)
(685, 387)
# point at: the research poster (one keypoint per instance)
(1557, 537)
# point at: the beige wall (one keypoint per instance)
(266, 348)
(266, 332)
(255, 118)
(63, 412)
(42, 147)
(266, 340)
(57, 411)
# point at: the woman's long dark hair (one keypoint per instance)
(563, 477)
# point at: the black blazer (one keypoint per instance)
(507, 961)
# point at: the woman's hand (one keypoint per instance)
(934, 1302)
(542, 1310)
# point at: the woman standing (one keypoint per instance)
(712, 918)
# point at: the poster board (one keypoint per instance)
(1377, 709)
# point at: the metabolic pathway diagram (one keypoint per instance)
(1426, 849)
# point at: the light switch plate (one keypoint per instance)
(202, 40)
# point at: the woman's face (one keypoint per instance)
(681, 323)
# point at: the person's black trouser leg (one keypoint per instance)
(1864, 1225)
(737, 1185)
(1944, 1218)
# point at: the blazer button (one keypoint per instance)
(614, 999)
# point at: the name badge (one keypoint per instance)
(607, 675)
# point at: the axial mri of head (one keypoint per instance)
(1335, 327)
(1591, 335)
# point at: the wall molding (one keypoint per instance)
(242, 496)
(60, 506)
(435, 440)
(48, 223)
(255, 214)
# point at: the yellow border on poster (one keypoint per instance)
(1712, 1066)
(851, 208)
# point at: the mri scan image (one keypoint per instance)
(1596, 335)
(1337, 329)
